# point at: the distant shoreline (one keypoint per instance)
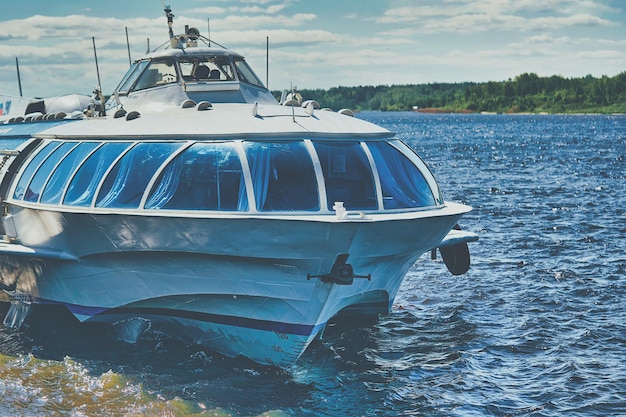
(434, 110)
(525, 94)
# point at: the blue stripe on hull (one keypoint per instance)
(256, 324)
(274, 326)
(99, 314)
(264, 341)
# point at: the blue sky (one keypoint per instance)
(319, 44)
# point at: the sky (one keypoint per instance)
(317, 44)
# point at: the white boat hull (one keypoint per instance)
(239, 286)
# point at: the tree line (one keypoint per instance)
(525, 93)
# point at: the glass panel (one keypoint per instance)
(206, 68)
(222, 63)
(245, 73)
(347, 174)
(131, 76)
(417, 161)
(207, 176)
(64, 173)
(402, 183)
(84, 184)
(283, 176)
(186, 69)
(125, 184)
(157, 73)
(44, 171)
(27, 175)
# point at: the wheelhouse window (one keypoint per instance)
(156, 73)
(283, 176)
(131, 76)
(206, 176)
(347, 174)
(245, 73)
(206, 68)
(402, 183)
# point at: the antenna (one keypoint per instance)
(128, 47)
(208, 26)
(267, 62)
(19, 80)
(99, 88)
(93, 39)
(293, 111)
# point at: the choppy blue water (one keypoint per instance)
(536, 328)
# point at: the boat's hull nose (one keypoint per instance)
(263, 346)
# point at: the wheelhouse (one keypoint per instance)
(201, 73)
(251, 176)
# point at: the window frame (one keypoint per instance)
(306, 147)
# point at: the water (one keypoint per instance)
(536, 328)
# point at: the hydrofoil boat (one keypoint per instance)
(194, 202)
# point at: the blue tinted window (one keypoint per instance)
(402, 183)
(39, 179)
(204, 177)
(283, 176)
(27, 175)
(84, 184)
(64, 172)
(347, 175)
(126, 183)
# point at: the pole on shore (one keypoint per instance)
(19, 79)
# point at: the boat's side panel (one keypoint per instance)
(222, 302)
(130, 261)
(91, 233)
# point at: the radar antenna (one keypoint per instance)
(170, 19)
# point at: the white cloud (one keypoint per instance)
(257, 1)
(465, 16)
(395, 42)
(278, 37)
(206, 11)
(242, 21)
